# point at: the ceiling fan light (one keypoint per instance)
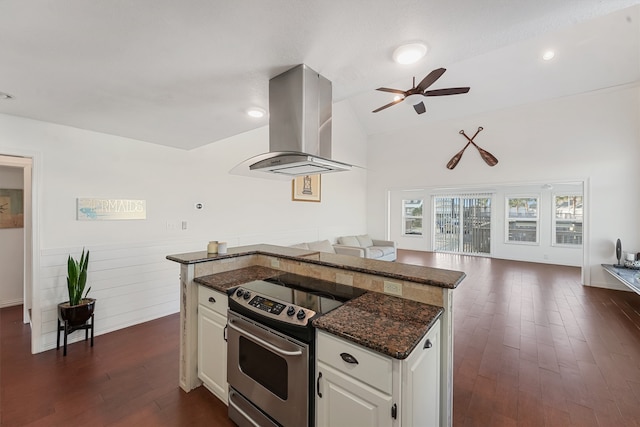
(409, 53)
(414, 99)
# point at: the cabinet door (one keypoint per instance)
(421, 382)
(346, 402)
(212, 351)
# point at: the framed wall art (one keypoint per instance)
(110, 209)
(11, 208)
(306, 188)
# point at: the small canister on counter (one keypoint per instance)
(212, 247)
(222, 247)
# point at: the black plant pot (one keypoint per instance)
(76, 315)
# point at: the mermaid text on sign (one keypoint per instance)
(111, 209)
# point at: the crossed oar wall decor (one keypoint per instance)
(489, 158)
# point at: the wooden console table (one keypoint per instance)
(627, 276)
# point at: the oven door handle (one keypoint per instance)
(265, 343)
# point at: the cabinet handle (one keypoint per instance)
(427, 344)
(224, 332)
(394, 411)
(349, 358)
(318, 385)
(212, 299)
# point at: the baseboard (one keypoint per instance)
(11, 303)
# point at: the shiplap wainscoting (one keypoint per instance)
(132, 284)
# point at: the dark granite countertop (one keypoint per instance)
(230, 279)
(394, 270)
(384, 323)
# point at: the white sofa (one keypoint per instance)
(320, 246)
(366, 247)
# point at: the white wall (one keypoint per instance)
(593, 137)
(11, 246)
(544, 251)
(128, 272)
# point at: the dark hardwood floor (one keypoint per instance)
(532, 347)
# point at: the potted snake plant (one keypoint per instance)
(78, 309)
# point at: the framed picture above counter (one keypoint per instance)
(306, 188)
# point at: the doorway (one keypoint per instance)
(462, 224)
(25, 164)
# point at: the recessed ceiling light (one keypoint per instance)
(548, 55)
(409, 53)
(5, 96)
(256, 112)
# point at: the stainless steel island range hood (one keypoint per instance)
(299, 125)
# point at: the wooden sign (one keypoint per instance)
(111, 209)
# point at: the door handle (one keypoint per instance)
(265, 343)
(349, 358)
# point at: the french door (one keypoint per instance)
(462, 223)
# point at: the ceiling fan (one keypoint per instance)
(413, 94)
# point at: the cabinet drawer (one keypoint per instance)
(214, 300)
(372, 368)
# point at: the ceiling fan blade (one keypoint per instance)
(448, 91)
(388, 105)
(420, 108)
(431, 79)
(386, 89)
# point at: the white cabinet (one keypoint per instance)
(347, 402)
(357, 386)
(421, 382)
(212, 347)
(354, 385)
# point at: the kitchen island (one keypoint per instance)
(390, 324)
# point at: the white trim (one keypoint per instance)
(11, 302)
(32, 243)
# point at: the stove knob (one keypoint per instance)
(301, 314)
(291, 310)
(246, 295)
(239, 293)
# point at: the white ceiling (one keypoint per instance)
(182, 73)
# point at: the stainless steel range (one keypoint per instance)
(271, 348)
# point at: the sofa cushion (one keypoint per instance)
(349, 241)
(322, 246)
(375, 252)
(364, 241)
(386, 250)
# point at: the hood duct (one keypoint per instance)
(300, 102)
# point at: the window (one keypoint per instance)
(522, 219)
(567, 219)
(412, 217)
(462, 223)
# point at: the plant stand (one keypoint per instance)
(66, 328)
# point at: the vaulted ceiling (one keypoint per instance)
(183, 73)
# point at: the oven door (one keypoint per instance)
(270, 370)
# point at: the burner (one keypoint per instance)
(289, 302)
